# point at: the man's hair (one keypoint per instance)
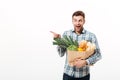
(79, 13)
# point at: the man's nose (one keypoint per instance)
(78, 22)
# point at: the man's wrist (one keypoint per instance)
(86, 62)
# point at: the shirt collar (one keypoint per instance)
(83, 31)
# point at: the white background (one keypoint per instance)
(26, 50)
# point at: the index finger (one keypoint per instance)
(53, 32)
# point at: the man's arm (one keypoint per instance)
(60, 50)
(97, 54)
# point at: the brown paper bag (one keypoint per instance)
(73, 55)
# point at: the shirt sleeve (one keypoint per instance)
(97, 54)
(61, 51)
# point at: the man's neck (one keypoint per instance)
(79, 32)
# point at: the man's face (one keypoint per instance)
(78, 22)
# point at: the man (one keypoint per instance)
(81, 69)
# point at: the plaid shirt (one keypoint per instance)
(80, 72)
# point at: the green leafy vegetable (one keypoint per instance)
(66, 42)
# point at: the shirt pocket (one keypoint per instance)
(87, 38)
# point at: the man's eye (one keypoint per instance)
(80, 20)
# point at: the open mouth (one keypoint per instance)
(78, 26)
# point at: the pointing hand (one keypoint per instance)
(55, 35)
